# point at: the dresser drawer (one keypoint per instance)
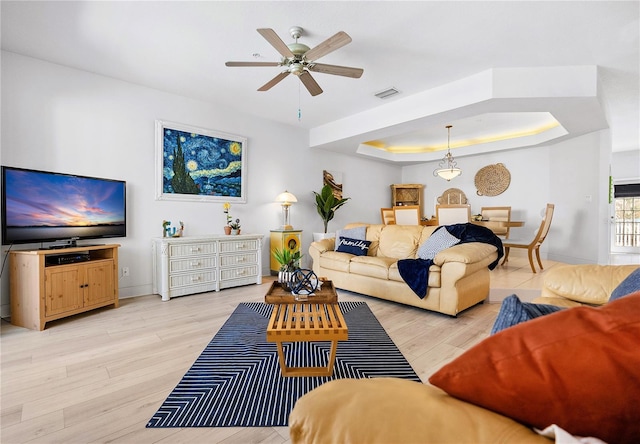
(238, 245)
(195, 249)
(191, 264)
(185, 280)
(246, 272)
(234, 260)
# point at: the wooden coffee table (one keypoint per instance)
(317, 319)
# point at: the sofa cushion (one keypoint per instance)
(577, 368)
(333, 260)
(630, 285)
(513, 311)
(438, 241)
(375, 267)
(357, 247)
(399, 241)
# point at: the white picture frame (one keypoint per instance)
(199, 165)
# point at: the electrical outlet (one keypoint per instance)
(125, 271)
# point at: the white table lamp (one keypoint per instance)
(286, 199)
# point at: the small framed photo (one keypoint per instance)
(199, 165)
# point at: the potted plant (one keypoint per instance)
(327, 204)
(225, 208)
(289, 263)
(235, 226)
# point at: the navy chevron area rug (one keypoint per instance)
(236, 381)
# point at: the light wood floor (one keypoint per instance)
(99, 376)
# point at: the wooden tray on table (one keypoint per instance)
(279, 295)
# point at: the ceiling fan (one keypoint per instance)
(299, 59)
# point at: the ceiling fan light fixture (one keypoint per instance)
(296, 69)
(448, 167)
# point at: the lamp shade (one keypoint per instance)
(286, 198)
(449, 173)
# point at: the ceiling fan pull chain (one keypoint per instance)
(299, 110)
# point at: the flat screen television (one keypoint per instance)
(45, 207)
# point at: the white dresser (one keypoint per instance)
(187, 265)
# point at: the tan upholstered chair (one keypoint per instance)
(407, 214)
(387, 216)
(453, 214)
(497, 214)
(533, 245)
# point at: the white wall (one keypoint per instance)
(562, 174)
(625, 166)
(60, 119)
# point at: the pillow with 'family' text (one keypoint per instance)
(357, 247)
(440, 240)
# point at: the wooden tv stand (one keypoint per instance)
(53, 284)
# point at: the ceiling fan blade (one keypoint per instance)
(336, 70)
(271, 83)
(252, 64)
(311, 85)
(275, 41)
(329, 45)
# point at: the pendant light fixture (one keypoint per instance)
(448, 167)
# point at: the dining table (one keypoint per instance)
(499, 223)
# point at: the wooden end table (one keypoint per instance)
(317, 319)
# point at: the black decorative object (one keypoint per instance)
(305, 282)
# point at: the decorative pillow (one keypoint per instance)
(578, 368)
(629, 285)
(439, 240)
(353, 233)
(513, 311)
(358, 247)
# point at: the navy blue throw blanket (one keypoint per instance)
(415, 272)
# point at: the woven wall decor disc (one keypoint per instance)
(492, 180)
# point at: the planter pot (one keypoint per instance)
(235, 232)
(287, 279)
(227, 230)
(320, 236)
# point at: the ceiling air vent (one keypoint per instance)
(387, 93)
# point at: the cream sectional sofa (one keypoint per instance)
(458, 278)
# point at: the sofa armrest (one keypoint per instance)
(467, 253)
(316, 248)
(322, 245)
(587, 283)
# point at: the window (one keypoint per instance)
(627, 215)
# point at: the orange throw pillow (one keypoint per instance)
(578, 368)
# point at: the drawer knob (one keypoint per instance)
(195, 278)
(195, 264)
(195, 249)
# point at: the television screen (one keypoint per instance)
(41, 206)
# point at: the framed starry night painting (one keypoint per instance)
(199, 165)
